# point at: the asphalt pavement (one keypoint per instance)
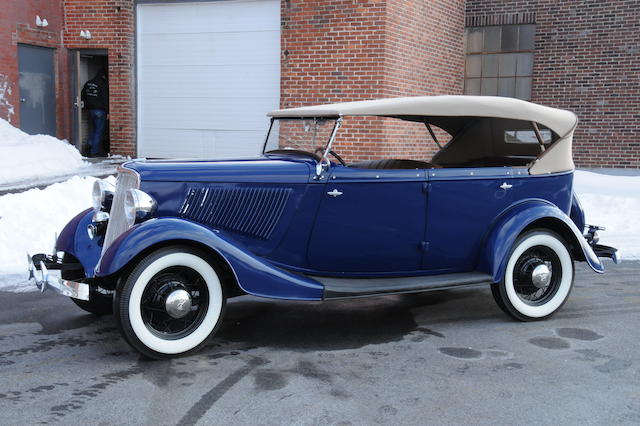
(447, 357)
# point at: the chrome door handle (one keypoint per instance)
(505, 185)
(334, 193)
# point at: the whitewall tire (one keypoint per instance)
(538, 277)
(170, 303)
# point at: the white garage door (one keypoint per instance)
(207, 74)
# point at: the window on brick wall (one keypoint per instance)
(499, 60)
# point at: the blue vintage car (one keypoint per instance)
(174, 239)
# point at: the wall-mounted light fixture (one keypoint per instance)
(85, 34)
(41, 22)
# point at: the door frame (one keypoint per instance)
(75, 106)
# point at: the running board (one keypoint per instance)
(338, 288)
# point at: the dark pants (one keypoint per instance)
(99, 120)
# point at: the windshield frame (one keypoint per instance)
(324, 160)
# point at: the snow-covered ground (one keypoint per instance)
(24, 156)
(612, 202)
(30, 220)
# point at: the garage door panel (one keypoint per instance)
(202, 143)
(212, 81)
(207, 74)
(211, 17)
(206, 113)
(211, 49)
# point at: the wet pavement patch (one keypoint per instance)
(590, 355)
(340, 394)
(613, 365)
(461, 353)
(508, 366)
(83, 396)
(45, 345)
(158, 372)
(266, 380)
(311, 371)
(549, 342)
(578, 334)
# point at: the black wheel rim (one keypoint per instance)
(153, 309)
(523, 271)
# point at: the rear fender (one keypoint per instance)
(254, 275)
(577, 212)
(527, 215)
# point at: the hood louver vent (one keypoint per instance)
(254, 212)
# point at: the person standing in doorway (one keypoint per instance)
(95, 96)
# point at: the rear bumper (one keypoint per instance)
(606, 251)
(600, 250)
(39, 273)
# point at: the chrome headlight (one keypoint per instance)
(138, 205)
(102, 195)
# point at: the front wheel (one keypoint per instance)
(171, 303)
(538, 277)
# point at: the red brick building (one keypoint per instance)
(196, 78)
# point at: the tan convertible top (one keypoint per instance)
(561, 122)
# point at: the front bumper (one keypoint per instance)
(39, 272)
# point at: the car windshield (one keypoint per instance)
(302, 134)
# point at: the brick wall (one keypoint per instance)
(332, 52)
(18, 25)
(112, 26)
(587, 59)
(424, 55)
(353, 50)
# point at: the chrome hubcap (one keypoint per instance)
(541, 276)
(178, 303)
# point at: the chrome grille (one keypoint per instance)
(127, 179)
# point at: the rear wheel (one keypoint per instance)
(538, 277)
(171, 303)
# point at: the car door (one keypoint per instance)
(370, 221)
(463, 203)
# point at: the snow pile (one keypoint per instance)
(30, 220)
(612, 202)
(24, 156)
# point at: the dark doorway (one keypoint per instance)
(85, 64)
(37, 86)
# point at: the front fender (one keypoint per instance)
(74, 240)
(254, 275)
(505, 231)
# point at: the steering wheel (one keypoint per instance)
(319, 150)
